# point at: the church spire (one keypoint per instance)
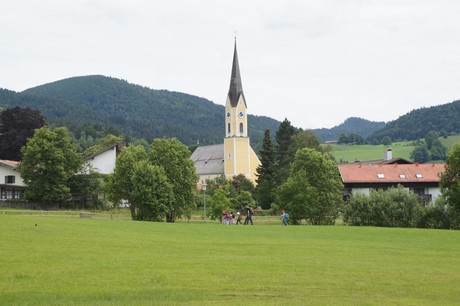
(236, 87)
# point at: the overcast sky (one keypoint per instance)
(316, 63)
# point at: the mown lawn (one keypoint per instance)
(71, 261)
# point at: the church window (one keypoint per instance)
(228, 128)
(241, 128)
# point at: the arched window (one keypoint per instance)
(241, 128)
(228, 128)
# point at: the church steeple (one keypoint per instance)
(236, 86)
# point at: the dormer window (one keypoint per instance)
(418, 175)
(402, 176)
(381, 176)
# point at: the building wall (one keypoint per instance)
(104, 163)
(11, 190)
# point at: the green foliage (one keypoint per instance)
(241, 183)
(85, 189)
(120, 185)
(394, 207)
(450, 181)
(417, 123)
(386, 141)
(420, 154)
(438, 216)
(152, 193)
(49, 161)
(218, 202)
(174, 158)
(244, 198)
(16, 126)
(97, 103)
(283, 141)
(350, 138)
(313, 190)
(266, 185)
(352, 125)
(102, 143)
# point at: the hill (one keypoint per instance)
(443, 119)
(135, 111)
(352, 125)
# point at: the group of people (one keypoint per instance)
(229, 217)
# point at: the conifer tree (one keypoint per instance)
(283, 141)
(265, 191)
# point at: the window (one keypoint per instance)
(418, 175)
(228, 128)
(10, 179)
(241, 128)
(381, 176)
(402, 176)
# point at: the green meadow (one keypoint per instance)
(85, 261)
(403, 149)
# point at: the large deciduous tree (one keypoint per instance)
(49, 161)
(450, 181)
(120, 184)
(16, 126)
(151, 193)
(180, 170)
(313, 190)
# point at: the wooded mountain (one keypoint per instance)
(444, 119)
(352, 125)
(135, 111)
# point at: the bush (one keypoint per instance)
(437, 216)
(394, 207)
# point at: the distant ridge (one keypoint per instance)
(352, 125)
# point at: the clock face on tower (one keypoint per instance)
(241, 114)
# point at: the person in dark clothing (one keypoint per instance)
(249, 212)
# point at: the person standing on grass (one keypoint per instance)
(238, 218)
(249, 213)
(284, 217)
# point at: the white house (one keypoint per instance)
(11, 184)
(104, 161)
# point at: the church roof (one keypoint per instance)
(209, 159)
(236, 86)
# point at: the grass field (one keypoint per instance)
(352, 153)
(71, 261)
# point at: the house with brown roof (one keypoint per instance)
(421, 179)
(11, 184)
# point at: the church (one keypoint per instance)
(235, 156)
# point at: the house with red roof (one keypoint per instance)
(421, 179)
(11, 184)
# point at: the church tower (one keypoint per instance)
(239, 157)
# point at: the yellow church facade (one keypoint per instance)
(235, 156)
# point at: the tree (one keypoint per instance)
(49, 161)
(151, 193)
(438, 151)
(386, 141)
(430, 137)
(317, 182)
(420, 154)
(218, 202)
(180, 170)
(120, 185)
(85, 188)
(283, 140)
(303, 139)
(450, 182)
(266, 185)
(16, 126)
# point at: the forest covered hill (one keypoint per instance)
(118, 107)
(444, 119)
(352, 125)
(99, 105)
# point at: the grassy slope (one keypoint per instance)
(70, 261)
(351, 153)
